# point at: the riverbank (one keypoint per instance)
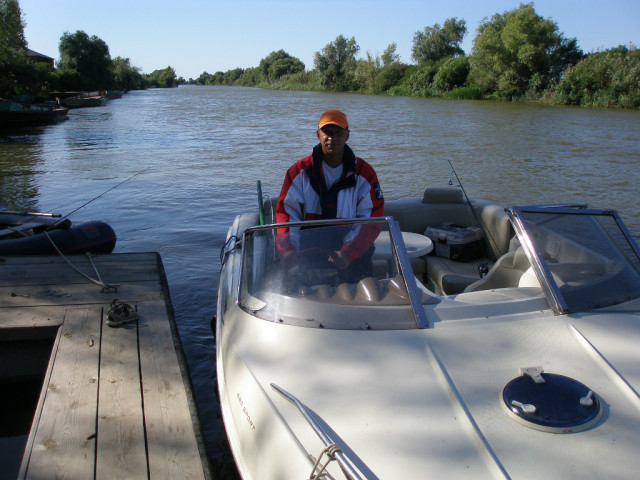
(608, 79)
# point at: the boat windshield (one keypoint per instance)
(330, 274)
(584, 259)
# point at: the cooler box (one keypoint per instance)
(457, 243)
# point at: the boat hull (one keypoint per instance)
(299, 370)
(84, 102)
(423, 403)
(93, 237)
(32, 115)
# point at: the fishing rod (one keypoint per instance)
(62, 219)
(482, 225)
(31, 214)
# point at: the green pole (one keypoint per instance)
(260, 206)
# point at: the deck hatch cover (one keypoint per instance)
(559, 404)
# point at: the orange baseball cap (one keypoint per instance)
(333, 117)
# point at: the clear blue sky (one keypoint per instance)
(194, 36)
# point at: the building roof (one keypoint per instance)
(33, 53)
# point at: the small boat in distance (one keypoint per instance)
(19, 114)
(85, 100)
(438, 359)
(23, 233)
(114, 94)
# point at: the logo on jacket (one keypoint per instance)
(378, 191)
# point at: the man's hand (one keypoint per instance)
(339, 259)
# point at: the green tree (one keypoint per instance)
(89, 56)
(367, 71)
(393, 70)
(604, 79)
(231, 76)
(205, 78)
(126, 76)
(390, 76)
(164, 78)
(518, 52)
(67, 79)
(389, 56)
(217, 78)
(336, 63)
(452, 74)
(435, 42)
(278, 64)
(250, 77)
(417, 80)
(18, 75)
(377, 75)
(11, 25)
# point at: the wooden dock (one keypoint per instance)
(116, 402)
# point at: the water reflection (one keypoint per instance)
(19, 163)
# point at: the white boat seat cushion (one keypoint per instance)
(446, 277)
(505, 273)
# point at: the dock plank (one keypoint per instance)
(75, 294)
(64, 444)
(58, 273)
(107, 259)
(173, 449)
(31, 318)
(121, 441)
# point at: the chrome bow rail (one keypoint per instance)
(347, 468)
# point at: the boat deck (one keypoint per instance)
(116, 402)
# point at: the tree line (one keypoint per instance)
(516, 55)
(84, 64)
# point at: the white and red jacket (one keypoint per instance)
(305, 196)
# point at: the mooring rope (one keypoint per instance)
(16, 230)
(331, 451)
(106, 287)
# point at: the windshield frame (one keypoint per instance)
(550, 288)
(398, 249)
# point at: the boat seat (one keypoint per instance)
(19, 229)
(446, 277)
(269, 208)
(506, 272)
(437, 205)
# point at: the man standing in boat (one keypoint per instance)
(332, 183)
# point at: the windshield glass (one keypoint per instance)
(325, 276)
(586, 256)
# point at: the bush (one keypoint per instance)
(417, 80)
(465, 93)
(452, 74)
(605, 79)
(68, 79)
(18, 74)
(518, 52)
(389, 76)
(309, 81)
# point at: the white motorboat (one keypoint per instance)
(417, 366)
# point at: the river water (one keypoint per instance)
(185, 161)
